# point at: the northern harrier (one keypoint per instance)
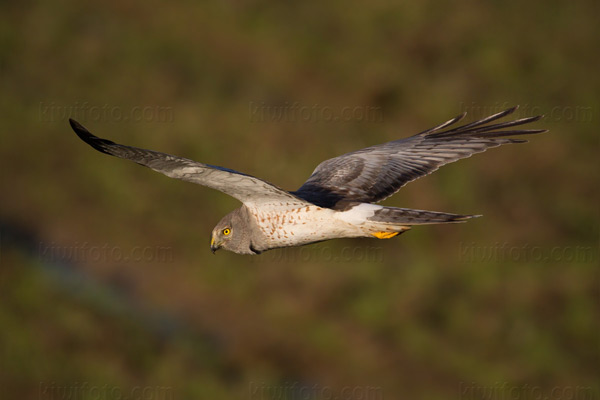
(336, 201)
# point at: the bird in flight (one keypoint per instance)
(337, 200)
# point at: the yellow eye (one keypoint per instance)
(226, 231)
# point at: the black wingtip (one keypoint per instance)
(77, 127)
(85, 135)
(512, 109)
(80, 130)
(452, 121)
(483, 129)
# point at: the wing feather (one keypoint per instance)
(247, 189)
(375, 173)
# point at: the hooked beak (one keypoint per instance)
(214, 246)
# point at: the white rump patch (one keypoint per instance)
(358, 214)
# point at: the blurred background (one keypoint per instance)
(108, 286)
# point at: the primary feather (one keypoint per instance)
(372, 174)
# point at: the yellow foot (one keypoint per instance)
(384, 235)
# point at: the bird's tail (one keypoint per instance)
(407, 217)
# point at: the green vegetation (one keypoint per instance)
(109, 290)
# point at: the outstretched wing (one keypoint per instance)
(375, 173)
(247, 189)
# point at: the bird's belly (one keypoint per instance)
(299, 226)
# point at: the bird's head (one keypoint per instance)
(233, 233)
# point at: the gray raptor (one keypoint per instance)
(336, 201)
